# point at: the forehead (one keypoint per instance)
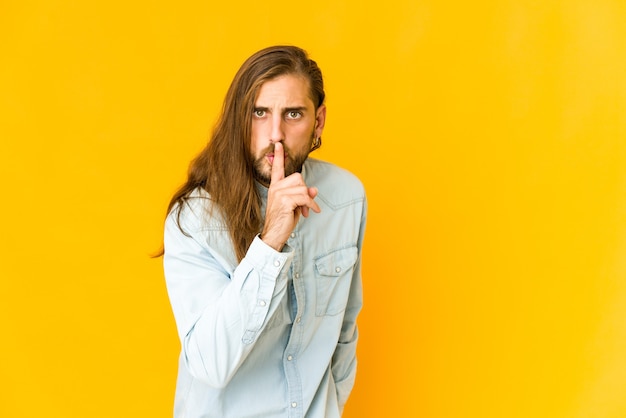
(288, 90)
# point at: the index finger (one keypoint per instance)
(278, 164)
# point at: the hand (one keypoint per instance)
(287, 199)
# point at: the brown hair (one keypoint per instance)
(224, 168)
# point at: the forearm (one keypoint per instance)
(219, 314)
(227, 330)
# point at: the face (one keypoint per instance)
(284, 112)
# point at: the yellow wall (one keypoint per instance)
(490, 135)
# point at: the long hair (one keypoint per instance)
(224, 168)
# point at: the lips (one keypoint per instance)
(270, 157)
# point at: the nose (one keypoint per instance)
(277, 132)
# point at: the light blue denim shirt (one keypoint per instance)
(274, 335)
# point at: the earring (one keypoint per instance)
(317, 142)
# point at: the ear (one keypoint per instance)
(320, 120)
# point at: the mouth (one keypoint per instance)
(270, 157)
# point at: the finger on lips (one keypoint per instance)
(278, 164)
(278, 174)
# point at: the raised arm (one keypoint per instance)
(219, 312)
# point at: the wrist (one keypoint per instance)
(275, 244)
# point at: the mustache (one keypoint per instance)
(270, 149)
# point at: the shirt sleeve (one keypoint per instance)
(219, 313)
(344, 358)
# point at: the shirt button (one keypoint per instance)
(292, 235)
(298, 319)
(262, 303)
(337, 269)
(294, 404)
(276, 263)
(289, 358)
(297, 275)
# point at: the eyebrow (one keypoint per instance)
(284, 110)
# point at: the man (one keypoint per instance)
(262, 254)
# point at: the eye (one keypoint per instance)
(259, 113)
(294, 114)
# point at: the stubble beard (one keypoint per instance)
(293, 163)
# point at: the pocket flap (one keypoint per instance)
(337, 262)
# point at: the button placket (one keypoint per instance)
(291, 350)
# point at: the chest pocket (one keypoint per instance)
(333, 275)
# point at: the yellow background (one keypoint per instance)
(490, 136)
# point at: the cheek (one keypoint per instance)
(300, 136)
